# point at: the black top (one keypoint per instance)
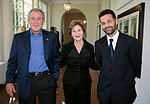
(77, 64)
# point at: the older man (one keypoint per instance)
(35, 56)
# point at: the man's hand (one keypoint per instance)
(10, 89)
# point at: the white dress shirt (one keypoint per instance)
(115, 38)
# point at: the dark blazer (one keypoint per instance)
(117, 76)
(77, 68)
(19, 60)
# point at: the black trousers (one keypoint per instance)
(110, 97)
(77, 94)
(44, 87)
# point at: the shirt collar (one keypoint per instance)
(115, 37)
(32, 34)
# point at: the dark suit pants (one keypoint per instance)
(108, 96)
(44, 87)
(77, 94)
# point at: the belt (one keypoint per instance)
(36, 74)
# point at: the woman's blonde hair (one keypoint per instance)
(74, 23)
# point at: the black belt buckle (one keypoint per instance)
(36, 74)
(48, 73)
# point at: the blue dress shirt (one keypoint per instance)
(37, 61)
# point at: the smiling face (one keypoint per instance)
(77, 33)
(109, 24)
(36, 21)
(23, 28)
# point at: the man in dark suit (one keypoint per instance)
(54, 30)
(35, 56)
(119, 61)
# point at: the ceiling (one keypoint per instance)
(72, 1)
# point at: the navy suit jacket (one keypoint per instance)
(117, 75)
(19, 59)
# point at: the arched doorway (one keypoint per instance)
(68, 16)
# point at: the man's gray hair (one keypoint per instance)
(36, 10)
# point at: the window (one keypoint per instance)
(21, 9)
(43, 7)
(27, 8)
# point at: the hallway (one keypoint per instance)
(4, 98)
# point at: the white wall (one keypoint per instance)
(49, 15)
(89, 10)
(0, 31)
(104, 4)
(6, 27)
(2, 72)
(143, 84)
(6, 34)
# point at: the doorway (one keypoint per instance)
(68, 16)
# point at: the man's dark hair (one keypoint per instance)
(52, 28)
(107, 11)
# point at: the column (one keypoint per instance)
(35, 3)
(6, 27)
(0, 31)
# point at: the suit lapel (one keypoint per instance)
(119, 45)
(106, 49)
(27, 47)
(46, 40)
(27, 43)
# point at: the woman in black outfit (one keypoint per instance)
(78, 56)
